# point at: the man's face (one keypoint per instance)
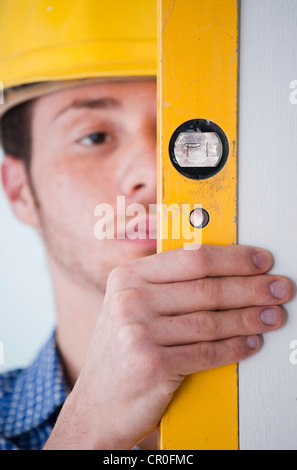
(90, 145)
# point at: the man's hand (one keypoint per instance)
(165, 317)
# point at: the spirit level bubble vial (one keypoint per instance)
(197, 164)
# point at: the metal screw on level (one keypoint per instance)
(199, 218)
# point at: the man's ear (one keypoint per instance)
(15, 181)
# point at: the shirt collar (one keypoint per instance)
(37, 392)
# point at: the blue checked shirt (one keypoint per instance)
(31, 400)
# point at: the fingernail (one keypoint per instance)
(252, 342)
(261, 260)
(270, 316)
(279, 289)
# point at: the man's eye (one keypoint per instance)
(97, 138)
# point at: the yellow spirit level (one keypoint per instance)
(197, 164)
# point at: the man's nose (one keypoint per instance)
(138, 176)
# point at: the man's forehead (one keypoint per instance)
(94, 102)
(102, 95)
(116, 87)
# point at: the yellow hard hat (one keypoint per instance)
(58, 40)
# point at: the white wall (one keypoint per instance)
(26, 303)
(267, 208)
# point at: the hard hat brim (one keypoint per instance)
(20, 94)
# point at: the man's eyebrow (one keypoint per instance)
(101, 103)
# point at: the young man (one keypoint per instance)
(131, 324)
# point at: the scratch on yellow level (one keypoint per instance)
(168, 14)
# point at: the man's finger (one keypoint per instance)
(208, 261)
(213, 326)
(186, 360)
(225, 293)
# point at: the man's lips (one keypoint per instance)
(144, 228)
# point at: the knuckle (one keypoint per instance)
(206, 323)
(249, 320)
(253, 287)
(210, 288)
(116, 276)
(257, 287)
(241, 256)
(124, 303)
(235, 347)
(119, 275)
(208, 354)
(200, 258)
